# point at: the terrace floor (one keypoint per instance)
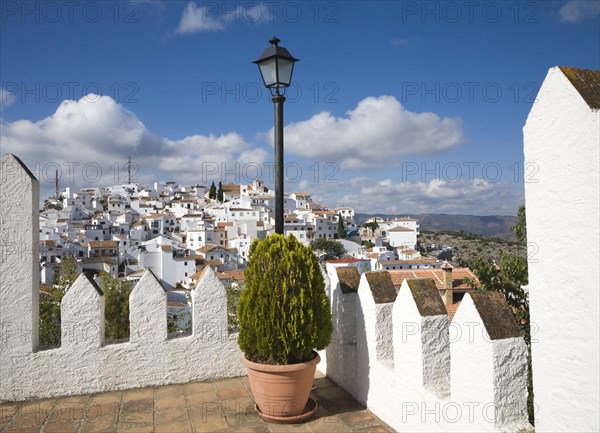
(217, 406)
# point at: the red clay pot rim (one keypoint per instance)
(280, 367)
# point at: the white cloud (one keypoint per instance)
(576, 11)
(214, 16)
(378, 132)
(97, 131)
(197, 19)
(476, 197)
(192, 158)
(6, 97)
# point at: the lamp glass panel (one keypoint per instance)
(268, 72)
(285, 71)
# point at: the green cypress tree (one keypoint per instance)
(283, 313)
(220, 193)
(212, 193)
(341, 230)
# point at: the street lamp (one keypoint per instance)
(276, 66)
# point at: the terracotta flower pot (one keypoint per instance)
(281, 391)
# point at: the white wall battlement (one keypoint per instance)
(84, 363)
(562, 143)
(415, 369)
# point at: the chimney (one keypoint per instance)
(447, 279)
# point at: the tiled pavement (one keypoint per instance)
(217, 406)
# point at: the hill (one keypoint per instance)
(490, 225)
(466, 246)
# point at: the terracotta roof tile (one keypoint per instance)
(400, 229)
(346, 260)
(459, 276)
(452, 310)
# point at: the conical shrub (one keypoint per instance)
(283, 312)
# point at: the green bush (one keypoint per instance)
(283, 312)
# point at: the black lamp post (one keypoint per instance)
(276, 66)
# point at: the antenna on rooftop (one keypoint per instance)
(129, 170)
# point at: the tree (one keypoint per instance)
(66, 274)
(49, 320)
(233, 298)
(341, 230)
(48, 204)
(220, 193)
(116, 306)
(520, 229)
(373, 225)
(212, 193)
(332, 249)
(283, 313)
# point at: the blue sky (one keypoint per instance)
(396, 107)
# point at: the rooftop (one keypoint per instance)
(459, 277)
(218, 406)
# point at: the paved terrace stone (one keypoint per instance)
(219, 406)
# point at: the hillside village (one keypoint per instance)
(176, 231)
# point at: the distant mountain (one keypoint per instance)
(491, 225)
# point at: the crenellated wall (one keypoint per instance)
(84, 363)
(417, 370)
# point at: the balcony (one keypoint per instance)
(391, 350)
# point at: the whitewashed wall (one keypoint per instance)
(562, 142)
(419, 372)
(83, 363)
